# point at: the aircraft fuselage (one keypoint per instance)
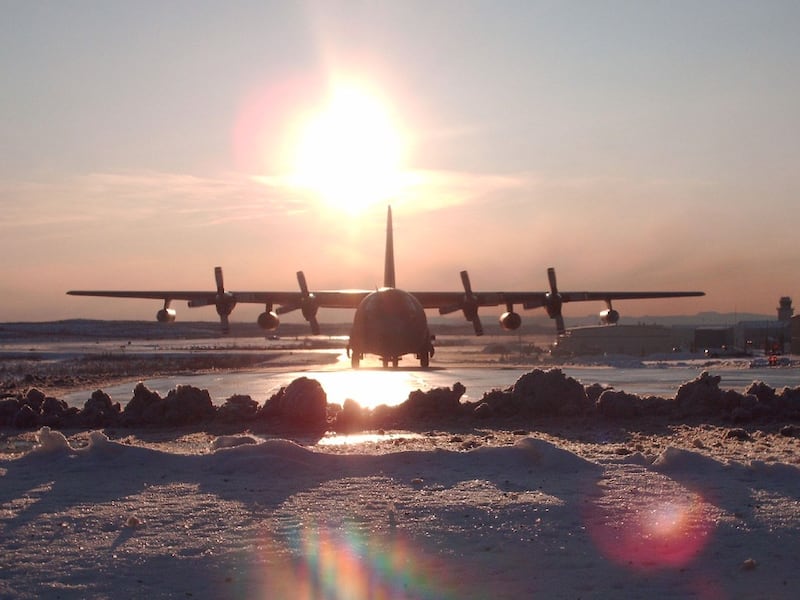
(390, 322)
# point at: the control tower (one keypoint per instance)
(785, 310)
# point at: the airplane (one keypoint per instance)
(389, 322)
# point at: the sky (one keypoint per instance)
(630, 145)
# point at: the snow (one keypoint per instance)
(418, 517)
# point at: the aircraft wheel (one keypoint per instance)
(355, 361)
(395, 360)
(424, 360)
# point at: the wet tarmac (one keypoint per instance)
(373, 386)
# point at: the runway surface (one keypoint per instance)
(373, 386)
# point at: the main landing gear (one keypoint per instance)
(355, 357)
(425, 356)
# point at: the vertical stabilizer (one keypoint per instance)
(388, 268)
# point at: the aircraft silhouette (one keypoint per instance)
(389, 322)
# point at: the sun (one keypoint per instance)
(350, 153)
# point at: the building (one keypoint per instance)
(769, 336)
(795, 334)
(785, 310)
(776, 336)
(714, 338)
(633, 340)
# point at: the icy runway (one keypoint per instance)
(370, 387)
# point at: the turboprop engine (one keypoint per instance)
(307, 303)
(510, 320)
(268, 320)
(609, 316)
(166, 315)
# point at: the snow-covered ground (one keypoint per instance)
(495, 515)
(567, 508)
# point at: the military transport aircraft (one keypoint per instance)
(389, 322)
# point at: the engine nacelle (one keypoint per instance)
(268, 321)
(225, 303)
(166, 315)
(510, 321)
(552, 304)
(609, 317)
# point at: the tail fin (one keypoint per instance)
(388, 268)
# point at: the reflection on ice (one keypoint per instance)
(354, 439)
(370, 388)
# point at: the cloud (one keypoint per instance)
(428, 190)
(211, 200)
(506, 228)
(100, 198)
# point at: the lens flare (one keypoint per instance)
(347, 564)
(649, 534)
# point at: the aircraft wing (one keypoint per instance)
(469, 301)
(449, 299)
(466, 301)
(352, 298)
(330, 299)
(538, 299)
(195, 298)
(225, 301)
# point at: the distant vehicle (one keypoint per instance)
(389, 322)
(772, 360)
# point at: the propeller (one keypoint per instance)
(224, 301)
(469, 305)
(553, 301)
(307, 304)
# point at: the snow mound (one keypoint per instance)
(281, 459)
(231, 441)
(549, 456)
(99, 441)
(51, 442)
(275, 456)
(677, 460)
(790, 474)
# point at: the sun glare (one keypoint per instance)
(350, 153)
